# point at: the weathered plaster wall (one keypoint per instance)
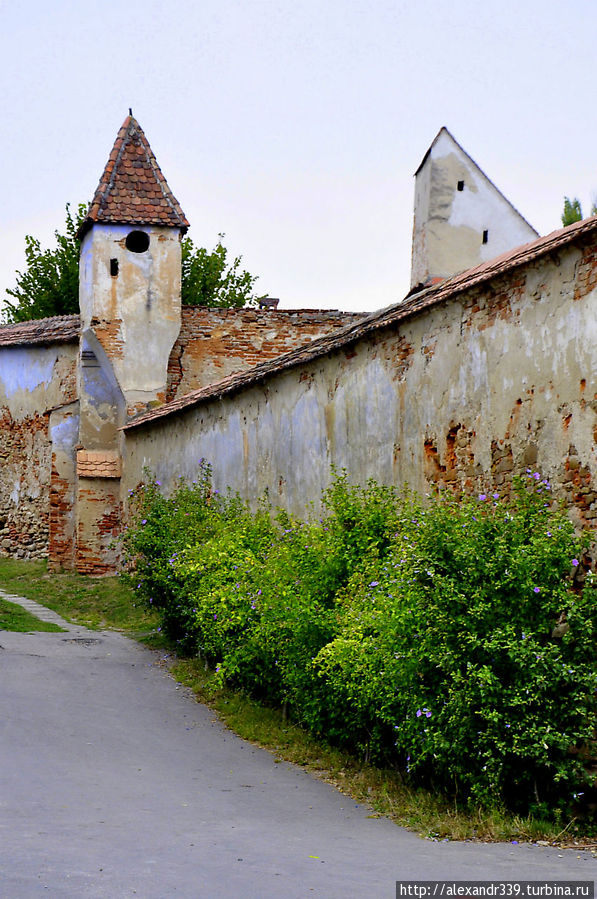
(64, 430)
(499, 377)
(214, 343)
(97, 473)
(449, 223)
(134, 312)
(35, 383)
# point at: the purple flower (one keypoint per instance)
(144, 521)
(575, 562)
(496, 496)
(374, 584)
(536, 589)
(482, 497)
(159, 483)
(215, 617)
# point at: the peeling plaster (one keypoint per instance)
(472, 390)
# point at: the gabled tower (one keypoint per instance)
(461, 218)
(129, 295)
(129, 281)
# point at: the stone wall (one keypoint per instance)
(34, 382)
(463, 387)
(214, 343)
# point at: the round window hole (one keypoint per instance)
(137, 241)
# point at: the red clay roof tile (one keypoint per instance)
(58, 329)
(132, 189)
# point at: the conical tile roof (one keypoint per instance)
(132, 189)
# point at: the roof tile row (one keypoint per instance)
(98, 464)
(58, 329)
(132, 189)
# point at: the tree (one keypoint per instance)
(573, 211)
(50, 283)
(208, 280)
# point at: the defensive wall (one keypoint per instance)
(464, 385)
(61, 406)
(214, 343)
(39, 414)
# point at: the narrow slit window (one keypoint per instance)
(114, 267)
(461, 185)
(485, 236)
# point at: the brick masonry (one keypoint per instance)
(215, 343)
(24, 485)
(34, 380)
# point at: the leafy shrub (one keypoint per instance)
(450, 648)
(160, 529)
(447, 638)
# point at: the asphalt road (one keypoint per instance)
(115, 783)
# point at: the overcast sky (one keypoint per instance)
(295, 126)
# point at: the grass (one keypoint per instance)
(93, 602)
(108, 603)
(14, 618)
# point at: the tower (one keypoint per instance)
(129, 297)
(461, 218)
(129, 273)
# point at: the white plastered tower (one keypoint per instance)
(461, 219)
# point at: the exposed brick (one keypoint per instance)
(24, 474)
(215, 343)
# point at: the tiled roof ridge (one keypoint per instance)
(231, 310)
(383, 318)
(135, 201)
(54, 329)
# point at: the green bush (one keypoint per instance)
(450, 639)
(450, 647)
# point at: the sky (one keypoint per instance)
(295, 127)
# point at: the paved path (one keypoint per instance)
(115, 783)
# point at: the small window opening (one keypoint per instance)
(485, 236)
(461, 185)
(137, 241)
(114, 267)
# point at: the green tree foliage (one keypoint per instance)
(209, 280)
(50, 283)
(572, 211)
